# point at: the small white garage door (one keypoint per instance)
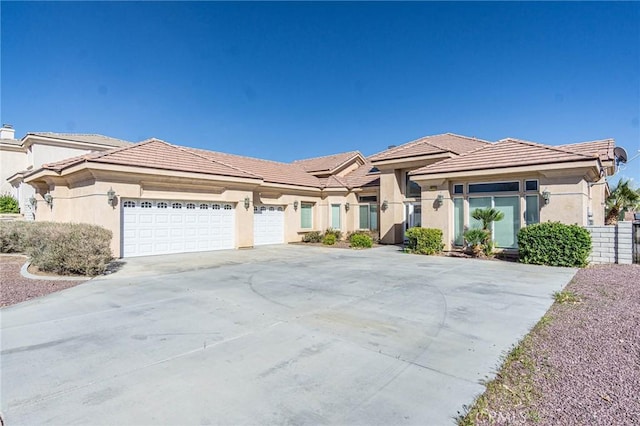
(268, 225)
(161, 227)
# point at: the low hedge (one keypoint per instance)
(424, 240)
(360, 241)
(329, 239)
(61, 248)
(554, 244)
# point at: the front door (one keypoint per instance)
(413, 214)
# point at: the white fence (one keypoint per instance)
(611, 243)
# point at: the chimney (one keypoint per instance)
(7, 132)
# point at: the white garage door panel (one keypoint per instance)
(163, 227)
(268, 225)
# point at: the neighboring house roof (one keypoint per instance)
(436, 144)
(269, 171)
(84, 138)
(15, 142)
(155, 154)
(503, 154)
(328, 163)
(603, 148)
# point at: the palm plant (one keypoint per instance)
(621, 199)
(487, 217)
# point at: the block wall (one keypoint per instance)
(611, 243)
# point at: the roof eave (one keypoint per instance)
(541, 167)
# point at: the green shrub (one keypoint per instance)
(61, 248)
(554, 244)
(371, 234)
(312, 237)
(425, 240)
(329, 239)
(8, 204)
(335, 232)
(360, 241)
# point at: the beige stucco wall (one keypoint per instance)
(12, 161)
(82, 198)
(569, 200)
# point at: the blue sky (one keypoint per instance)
(285, 81)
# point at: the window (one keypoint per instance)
(204, 206)
(146, 204)
(504, 232)
(191, 206)
(215, 206)
(129, 204)
(412, 189)
(263, 209)
(162, 205)
(272, 209)
(458, 221)
(530, 185)
(176, 205)
(280, 209)
(306, 217)
(368, 216)
(494, 187)
(368, 199)
(458, 189)
(532, 212)
(335, 216)
(228, 207)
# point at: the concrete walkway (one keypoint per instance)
(274, 335)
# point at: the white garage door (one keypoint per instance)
(161, 227)
(268, 225)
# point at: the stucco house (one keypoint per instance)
(159, 198)
(18, 156)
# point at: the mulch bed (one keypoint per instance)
(16, 288)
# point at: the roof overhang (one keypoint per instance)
(591, 170)
(31, 139)
(411, 162)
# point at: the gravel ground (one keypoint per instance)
(582, 366)
(593, 348)
(16, 288)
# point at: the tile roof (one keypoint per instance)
(86, 138)
(603, 148)
(326, 163)
(269, 171)
(155, 154)
(363, 176)
(436, 144)
(503, 154)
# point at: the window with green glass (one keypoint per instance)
(368, 216)
(364, 216)
(306, 217)
(532, 212)
(477, 203)
(458, 221)
(335, 216)
(505, 231)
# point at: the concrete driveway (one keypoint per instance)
(274, 335)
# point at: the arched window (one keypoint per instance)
(129, 204)
(146, 204)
